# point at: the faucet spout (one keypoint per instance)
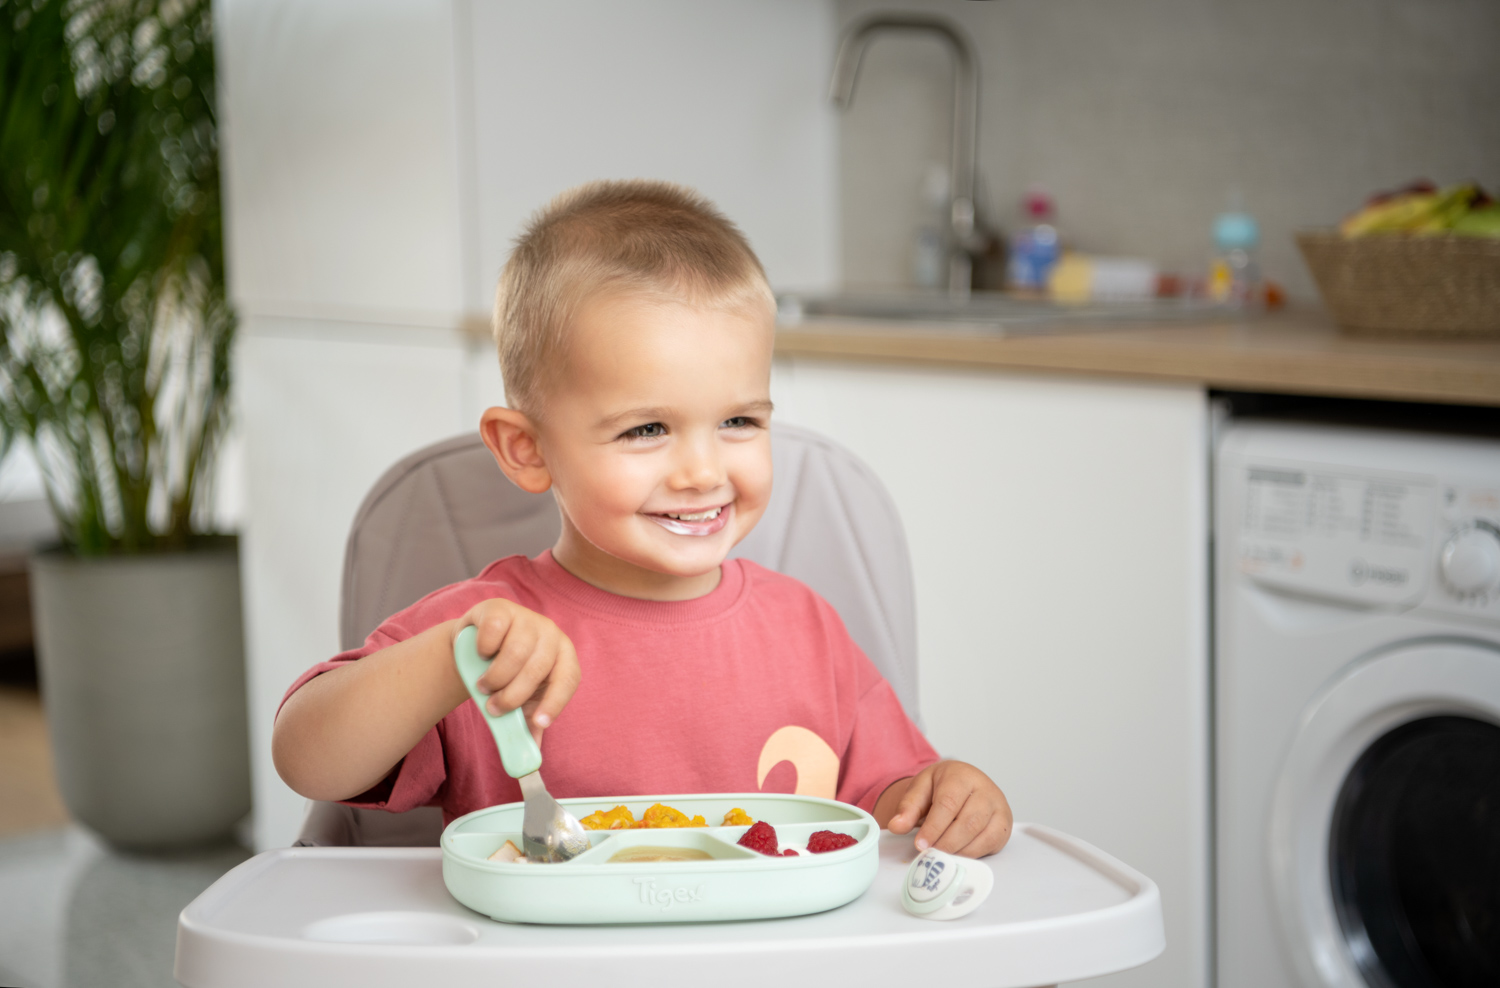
(961, 162)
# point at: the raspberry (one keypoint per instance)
(760, 837)
(827, 840)
(789, 853)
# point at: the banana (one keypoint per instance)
(1394, 215)
(1413, 212)
(1481, 222)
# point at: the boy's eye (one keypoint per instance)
(650, 430)
(738, 422)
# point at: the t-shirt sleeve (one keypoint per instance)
(884, 747)
(419, 777)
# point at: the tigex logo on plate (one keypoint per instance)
(665, 897)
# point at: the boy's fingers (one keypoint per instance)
(491, 626)
(968, 825)
(946, 806)
(562, 683)
(528, 671)
(991, 839)
(912, 805)
(515, 652)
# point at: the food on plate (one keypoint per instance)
(824, 841)
(509, 854)
(659, 815)
(646, 852)
(761, 837)
(619, 818)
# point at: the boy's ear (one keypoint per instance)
(512, 439)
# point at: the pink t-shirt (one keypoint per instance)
(756, 686)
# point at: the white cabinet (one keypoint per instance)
(1058, 530)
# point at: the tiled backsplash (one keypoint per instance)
(1141, 116)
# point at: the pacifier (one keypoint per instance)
(939, 885)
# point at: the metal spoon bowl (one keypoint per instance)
(550, 834)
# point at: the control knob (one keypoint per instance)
(1470, 561)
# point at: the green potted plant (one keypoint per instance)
(115, 335)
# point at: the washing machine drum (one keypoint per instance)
(1385, 829)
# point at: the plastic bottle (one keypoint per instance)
(1234, 278)
(929, 265)
(1034, 248)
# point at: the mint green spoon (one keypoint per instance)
(549, 832)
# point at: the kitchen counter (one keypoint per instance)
(1299, 351)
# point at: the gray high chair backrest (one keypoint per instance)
(446, 511)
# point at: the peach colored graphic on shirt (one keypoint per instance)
(816, 763)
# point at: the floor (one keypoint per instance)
(73, 912)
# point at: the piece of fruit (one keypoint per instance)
(761, 837)
(824, 841)
(737, 818)
(789, 853)
(660, 815)
(508, 854)
(1481, 222)
(619, 818)
(1416, 210)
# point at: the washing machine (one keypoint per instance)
(1357, 708)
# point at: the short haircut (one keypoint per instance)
(636, 237)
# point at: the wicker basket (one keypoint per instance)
(1407, 285)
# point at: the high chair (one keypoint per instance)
(443, 513)
(384, 916)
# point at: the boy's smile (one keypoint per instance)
(655, 433)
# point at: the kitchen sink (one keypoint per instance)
(992, 312)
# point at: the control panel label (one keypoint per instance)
(1356, 535)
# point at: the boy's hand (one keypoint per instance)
(533, 667)
(965, 812)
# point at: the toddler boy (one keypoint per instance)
(635, 329)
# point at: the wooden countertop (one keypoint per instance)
(1297, 352)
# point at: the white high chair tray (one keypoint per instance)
(1061, 910)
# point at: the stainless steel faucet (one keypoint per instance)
(856, 37)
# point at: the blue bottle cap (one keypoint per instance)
(1236, 231)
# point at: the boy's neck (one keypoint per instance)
(597, 568)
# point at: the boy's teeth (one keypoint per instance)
(709, 515)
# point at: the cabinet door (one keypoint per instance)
(1058, 531)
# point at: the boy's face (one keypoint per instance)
(656, 438)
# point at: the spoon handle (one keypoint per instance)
(518, 751)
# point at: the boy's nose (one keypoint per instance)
(698, 467)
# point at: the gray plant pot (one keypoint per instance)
(142, 666)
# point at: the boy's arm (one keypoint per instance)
(344, 731)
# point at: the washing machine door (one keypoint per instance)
(1385, 825)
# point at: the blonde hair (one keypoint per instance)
(637, 237)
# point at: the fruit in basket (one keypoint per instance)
(1481, 222)
(1420, 209)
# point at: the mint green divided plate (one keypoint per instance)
(735, 883)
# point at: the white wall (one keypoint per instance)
(379, 157)
(727, 96)
(1058, 530)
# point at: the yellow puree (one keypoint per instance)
(645, 852)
